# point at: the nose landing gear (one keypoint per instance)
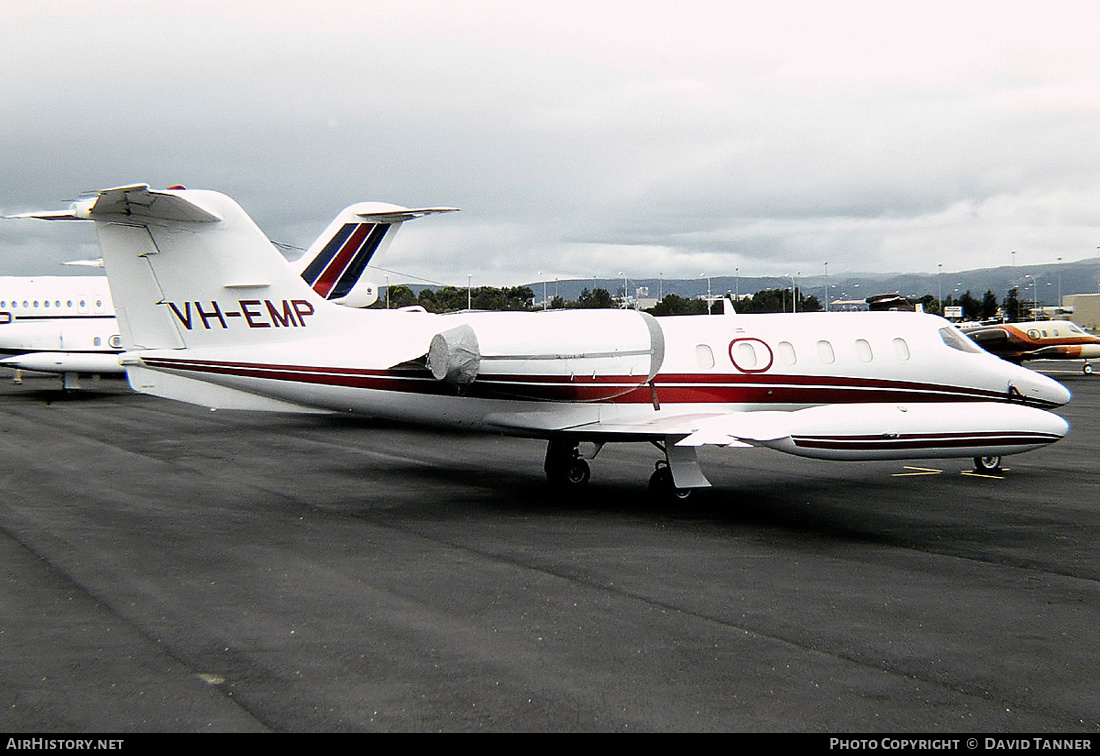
(989, 464)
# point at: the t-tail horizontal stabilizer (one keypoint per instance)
(334, 264)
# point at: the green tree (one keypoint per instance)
(778, 300)
(596, 299)
(989, 305)
(1011, 306)
(399, 295)
(674, 304)
(972, 307)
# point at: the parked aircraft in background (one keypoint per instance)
(1036, 340)
(67, 324)
(209, 316)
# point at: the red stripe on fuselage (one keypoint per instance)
(671, 388)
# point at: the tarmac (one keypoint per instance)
(167, 568)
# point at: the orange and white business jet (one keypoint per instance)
(1036, 340)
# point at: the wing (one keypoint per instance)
(872, 431)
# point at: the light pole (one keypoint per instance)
(794, 295)
(543, 291)
(1059, 283)
(1034, 294)
(708, 290)
(939, 279)
(826, 287)
(469, 292)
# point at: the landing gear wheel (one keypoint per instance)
(987, 464)
(564, 467)
(661, 484)
(575, 473)
(1087, 369)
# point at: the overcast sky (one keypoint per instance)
(580, 138)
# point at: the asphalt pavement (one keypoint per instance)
(167, 568)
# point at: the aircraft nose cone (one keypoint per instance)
(1040, 388)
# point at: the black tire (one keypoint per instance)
(662, 485)
(988, 464)
(572, 473)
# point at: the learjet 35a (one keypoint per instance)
(211, 315)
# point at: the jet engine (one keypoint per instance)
(573, 355)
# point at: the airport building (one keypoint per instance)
(1086, 310)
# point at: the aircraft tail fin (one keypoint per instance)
(189, 268)
(333, 266)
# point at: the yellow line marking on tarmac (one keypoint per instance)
(973, 474)
(920, 471)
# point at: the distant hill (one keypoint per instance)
(1081, 277)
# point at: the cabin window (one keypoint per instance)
(863, 350)
(955, 339)
(746, 356)
(901, 349)
(786, 352)
(704, 356)
(825, 352)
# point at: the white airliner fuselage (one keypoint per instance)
(245, 334)
(59, 324)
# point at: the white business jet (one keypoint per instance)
(210, 315)
(67, 324)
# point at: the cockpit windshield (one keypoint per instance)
(956, 339)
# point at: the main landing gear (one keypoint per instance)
(663, 486)
(564, 466)
(567, 469)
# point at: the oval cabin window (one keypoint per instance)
(825, 352)
(901, 349)
(704, 356)
(786, 353)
